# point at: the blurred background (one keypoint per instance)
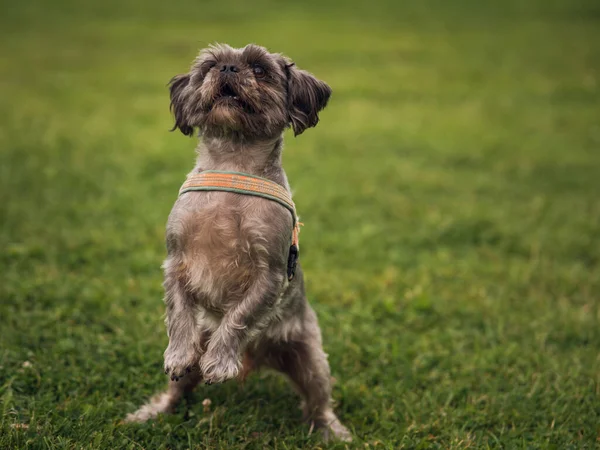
(450, 195)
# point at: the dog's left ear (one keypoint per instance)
(177, 87)
(306, 97)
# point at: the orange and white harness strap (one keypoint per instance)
(246, 184)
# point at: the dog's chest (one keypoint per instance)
(226, 241)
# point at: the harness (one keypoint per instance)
(246, 184)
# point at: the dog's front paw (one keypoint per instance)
(179, 361)
(219, 365)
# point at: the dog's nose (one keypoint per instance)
(229, 68)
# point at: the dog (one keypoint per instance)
(230, 307)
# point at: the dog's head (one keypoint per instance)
(247, 92)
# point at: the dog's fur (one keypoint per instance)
(230, 308)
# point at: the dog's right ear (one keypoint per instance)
(179, 99)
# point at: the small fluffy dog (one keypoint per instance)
(230, 306)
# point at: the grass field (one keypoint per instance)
(450, 195)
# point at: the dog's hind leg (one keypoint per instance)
(303, 360)
(165, 402)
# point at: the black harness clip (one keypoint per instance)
(292, 261)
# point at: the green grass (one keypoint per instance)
(451, 196)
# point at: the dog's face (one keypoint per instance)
(246, 92)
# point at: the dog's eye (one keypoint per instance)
(207, 65)
(259, 72)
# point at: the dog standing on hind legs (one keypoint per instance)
(235, 299)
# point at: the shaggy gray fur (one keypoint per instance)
(230, 308)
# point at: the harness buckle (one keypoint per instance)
(292, 261)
